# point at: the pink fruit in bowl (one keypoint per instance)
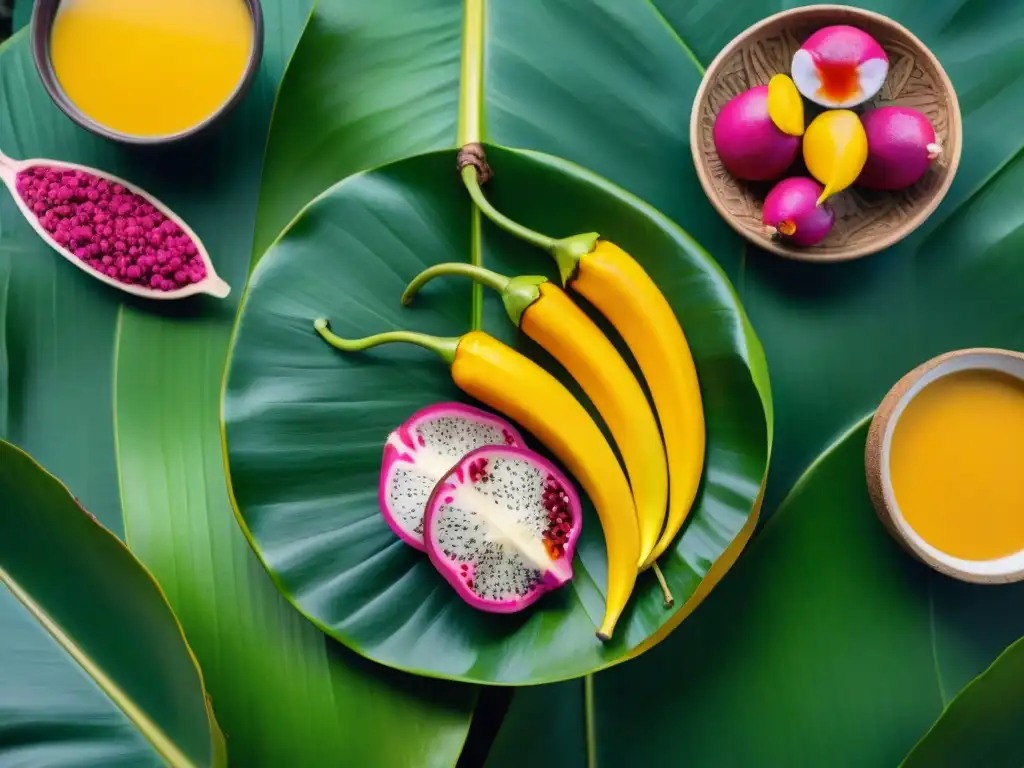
(422, 451)
(791, 212)
(747, 134)
(839, 67)
(901, 147)
(502, 527)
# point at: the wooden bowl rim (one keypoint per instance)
(881, 492)
(955, 139)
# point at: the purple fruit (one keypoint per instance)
(502, 526)
(791, 211)
(423, 450)
(750, 145)
(901, 147)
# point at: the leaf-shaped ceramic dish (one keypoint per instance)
(210, 284)
(94, 664)
(305, 425)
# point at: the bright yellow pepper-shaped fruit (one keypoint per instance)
(625, 294)
(622, 291)
(548, 316)
(514, 385)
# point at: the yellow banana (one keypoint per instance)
(549, 317)
(624, 293)
(514, 385)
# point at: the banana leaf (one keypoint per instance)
(304, 426)
(284, 695)
(95, 668)
(983, 723)
(827, 644)
(859, 646)
(836, 337)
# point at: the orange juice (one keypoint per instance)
(150, 67)
(957, 464)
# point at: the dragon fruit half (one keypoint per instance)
(423, 450)
(502, 527)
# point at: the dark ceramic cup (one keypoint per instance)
(43, 15)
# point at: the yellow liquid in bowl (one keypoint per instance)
(957, 464)
(150, 67)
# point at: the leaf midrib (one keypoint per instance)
(159, 740)
(470, 119)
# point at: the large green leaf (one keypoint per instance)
(284, 694)
(94, 665)
(369, 82)
(304, 425)
(58, 324)
(826, 645)
(835, 337)
(983, 724)
(822, 326)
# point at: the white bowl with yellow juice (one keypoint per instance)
(945, 463)
(147, 71)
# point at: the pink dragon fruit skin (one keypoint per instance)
(749, 144)
(502, 528)
(422, 450)
(901, 147)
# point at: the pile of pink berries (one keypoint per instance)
(111, 229)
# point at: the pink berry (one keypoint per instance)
(112, 230)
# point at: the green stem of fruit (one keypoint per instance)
(483, 276)
(665, 591)
(517, 293)
(566, 251)
(443, 347)
(472, 182)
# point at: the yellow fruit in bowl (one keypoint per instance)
(835, 150)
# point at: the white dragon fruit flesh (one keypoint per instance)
(502, 527)
(423, 450)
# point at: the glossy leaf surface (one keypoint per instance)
(858, 646)
(311, 700)
(982, 725)
(836, 338)
(304, 425)
(95, 668)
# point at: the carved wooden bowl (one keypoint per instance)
(866, 220)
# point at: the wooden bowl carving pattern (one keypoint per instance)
(866, 220)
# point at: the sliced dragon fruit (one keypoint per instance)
(502, 528)
(423, 450)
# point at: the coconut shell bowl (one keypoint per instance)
(866, 220)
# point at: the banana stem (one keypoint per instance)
(443, 347)
(472, 183)
(483, 276)
(566, 251)
(517, 293)
(665, 591)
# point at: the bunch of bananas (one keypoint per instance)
(641, 515)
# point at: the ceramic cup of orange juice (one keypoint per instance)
(147, 71)
(945, 464)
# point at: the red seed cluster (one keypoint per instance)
(113, 231)
(556, 502)
(478, 471)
